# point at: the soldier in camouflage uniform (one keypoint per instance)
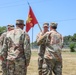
(4, 61)
(17, 47)
(2, 37)
(0, 61)
(42, 48)
(53, 58)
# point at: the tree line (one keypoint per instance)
(2, 29)
(70, 41)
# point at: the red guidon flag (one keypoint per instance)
(31, 20)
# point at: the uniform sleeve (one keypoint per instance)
(41, 39)
(4, 48)
(27, 49)
(62, 40)
(1, 39)
(0, 44)
(38, 39)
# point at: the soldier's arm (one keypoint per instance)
(41, 38)
(62, 41)
(37, 37)
(1, 39)
(4, 48)
(27, 49)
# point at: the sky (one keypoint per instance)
(61, 11)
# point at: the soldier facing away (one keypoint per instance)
(53, 58)
(17, 47)
(4, 61)
(42, 47)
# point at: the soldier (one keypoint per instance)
(17, 47)
(4, 67)
(9, 28)
(53, 58)
(42, 47)
(0, 61)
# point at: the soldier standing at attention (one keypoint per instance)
(3, 36)
(53, 57)
(42, 48)
(17, 47)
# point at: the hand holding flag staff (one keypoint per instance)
(31, 20)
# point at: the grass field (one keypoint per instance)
(69, 63)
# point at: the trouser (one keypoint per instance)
(4, 67)
(16, 67)
(40, 63)
(50, 66)
(0, 66)
(41, 58)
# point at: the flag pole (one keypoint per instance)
(39, 27)
(32, 37)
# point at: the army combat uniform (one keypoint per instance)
(4, 61)
(17, 47)
(41, 50)
(4, 65)
(53, 58)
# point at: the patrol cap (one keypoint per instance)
(46, 24)
(10, 26)
(20, 22)
(53, 24)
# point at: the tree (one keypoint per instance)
(72, 46)
(74, 37)
(2, 29)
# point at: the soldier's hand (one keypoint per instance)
(27, 64)
(1, 58)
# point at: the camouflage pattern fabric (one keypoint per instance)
(2, 37)
(52, 66)
(41, 57)
(41, 52)
(17, 47)
(52, 58)
(3, 65)
(16, 67)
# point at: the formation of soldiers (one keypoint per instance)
(15, 51)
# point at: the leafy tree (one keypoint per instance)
(2, 29)
(69, 39)
(74, 37)
(72, 46)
